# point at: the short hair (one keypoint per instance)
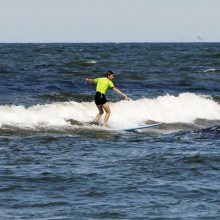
(109, 73)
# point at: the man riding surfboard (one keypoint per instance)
(102, 85)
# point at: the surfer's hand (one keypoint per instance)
(126, 98)
(87, 80)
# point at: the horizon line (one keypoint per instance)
(102, 42)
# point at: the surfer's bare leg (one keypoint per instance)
(99, 114)
(107, 115)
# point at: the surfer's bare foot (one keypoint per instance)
(95, 123)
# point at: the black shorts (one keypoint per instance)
(100, 98)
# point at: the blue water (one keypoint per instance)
(54, 169)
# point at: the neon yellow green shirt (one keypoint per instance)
(103, 84)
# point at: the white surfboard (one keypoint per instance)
(139, 127)
(90, 125)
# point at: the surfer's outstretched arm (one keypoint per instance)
(120, 93)
(89, 80)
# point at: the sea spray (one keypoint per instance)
(184, 108)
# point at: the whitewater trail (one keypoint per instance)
(184, 108)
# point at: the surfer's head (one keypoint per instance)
(109, 75)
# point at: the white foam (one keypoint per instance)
(211, 70)
(185, 108)
(91, 62)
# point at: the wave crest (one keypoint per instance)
(184, 108)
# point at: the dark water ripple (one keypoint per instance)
(96, 181)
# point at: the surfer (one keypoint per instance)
(102, 85)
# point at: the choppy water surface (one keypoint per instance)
(53, 168)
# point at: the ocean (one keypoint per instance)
(54, 165)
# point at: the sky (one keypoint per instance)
(109, 21)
